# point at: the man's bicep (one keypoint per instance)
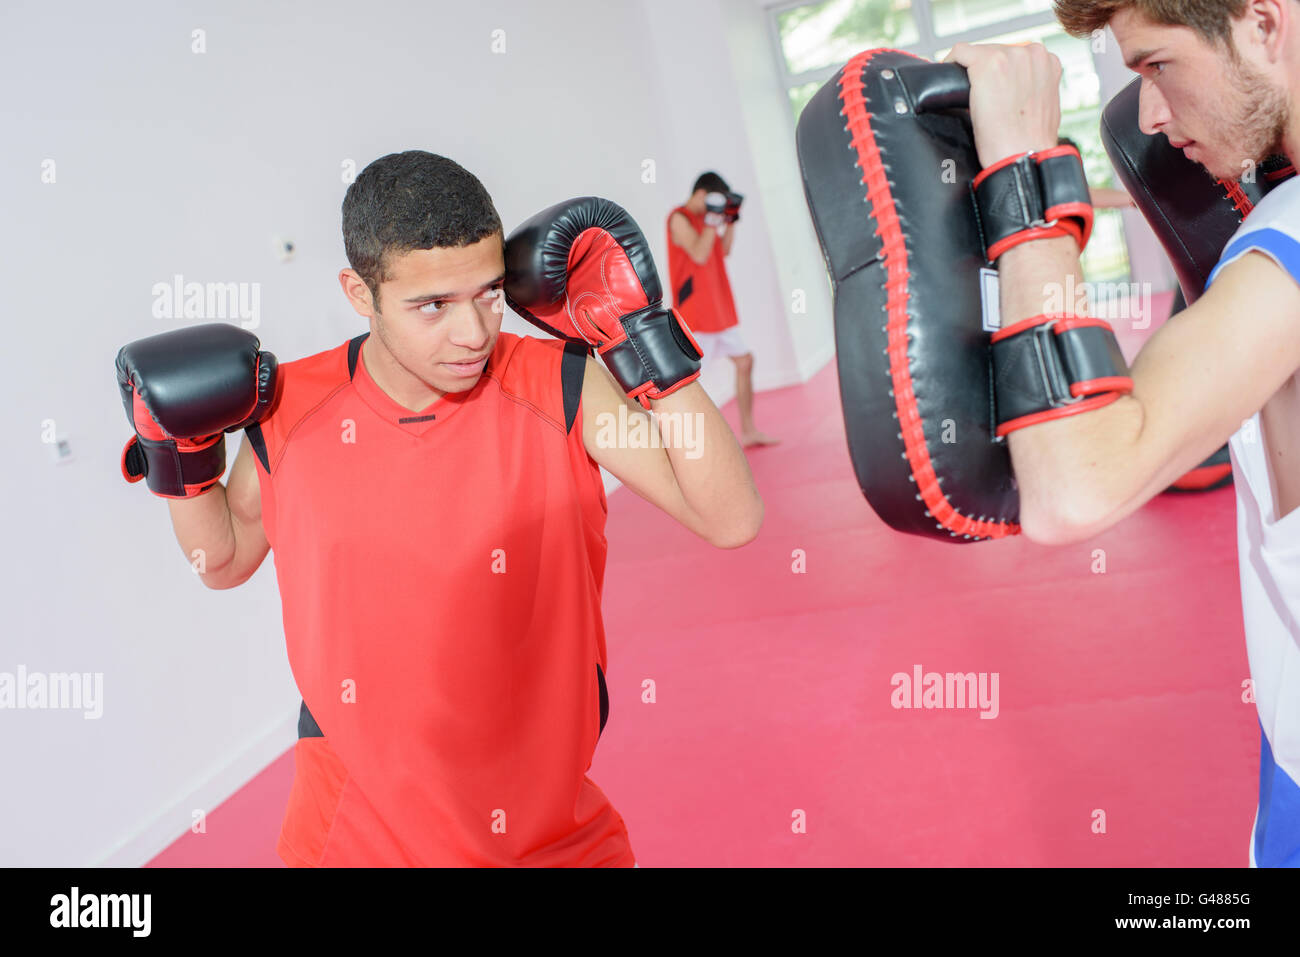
(244, 496)
(683, 234)
(243, 493)
(1215, 364)
(681, 231)
(620, 444)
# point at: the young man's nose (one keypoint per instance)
(470, 328)
(1153, 109)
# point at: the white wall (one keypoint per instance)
(174, 162)
(770, 128)
(717, 89)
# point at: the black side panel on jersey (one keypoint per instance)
(572, 369)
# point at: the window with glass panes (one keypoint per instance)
(815, 39)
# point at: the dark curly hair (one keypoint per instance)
(412, 200)
(712, 182)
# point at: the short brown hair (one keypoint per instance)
(1212, 19)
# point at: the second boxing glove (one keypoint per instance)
(582, 271)
(182, 390)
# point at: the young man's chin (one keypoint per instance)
(459, 386)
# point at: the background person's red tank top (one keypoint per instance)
(701, 293)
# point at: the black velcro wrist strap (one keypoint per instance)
(658, 353)
(1047, 367)
(173, 473)
(1032, 196)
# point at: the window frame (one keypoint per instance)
(926, 45)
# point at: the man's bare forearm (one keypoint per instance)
(1031, 273)
(205, 530)
(711, 470)
(704, 244)
(1103, 197)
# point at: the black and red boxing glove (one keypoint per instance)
(582, 271)
(724, 204)
(182, 390)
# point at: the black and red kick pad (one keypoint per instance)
(888, 158)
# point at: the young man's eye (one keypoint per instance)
(1157, 68)
(435, 307)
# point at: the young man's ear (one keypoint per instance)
(357, 292)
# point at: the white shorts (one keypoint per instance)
(713, 345)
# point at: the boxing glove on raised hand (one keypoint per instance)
(582, 270)
(726, 205)
(182, 390)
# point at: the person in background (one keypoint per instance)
(700, 234)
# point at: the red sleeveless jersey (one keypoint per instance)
(441, 575)
(701, 293)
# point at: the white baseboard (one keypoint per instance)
(171, 822)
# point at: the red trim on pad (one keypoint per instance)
(894, 255)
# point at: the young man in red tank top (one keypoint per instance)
(698, 241)
(432, 492)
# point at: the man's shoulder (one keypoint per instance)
(1273, 228)
(303, 385)
(1279, 209)
(327, 362)
(538, 372)
(307, 379)
(516, 351)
